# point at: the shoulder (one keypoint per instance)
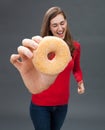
(76, 44)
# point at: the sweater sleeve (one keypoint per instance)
(77, 72)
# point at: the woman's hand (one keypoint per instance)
(35, 81)
(81, 88)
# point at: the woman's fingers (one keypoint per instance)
(24, 52)
(30, 44)
(81, 89)
(37, 39)
(14, 59)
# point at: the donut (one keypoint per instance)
(52, 55)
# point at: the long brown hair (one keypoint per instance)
(45, 29)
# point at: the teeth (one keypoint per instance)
(60, 32)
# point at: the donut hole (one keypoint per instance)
(51, 55)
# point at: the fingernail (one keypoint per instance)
(34, 45)
(29, 54)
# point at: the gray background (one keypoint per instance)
(21, 19)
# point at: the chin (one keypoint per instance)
(62, 37)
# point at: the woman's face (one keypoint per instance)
(58, 26)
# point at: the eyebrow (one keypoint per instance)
(57, 23)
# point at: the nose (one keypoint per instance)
(59, 27)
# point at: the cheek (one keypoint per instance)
(65, 27)
(53, 31)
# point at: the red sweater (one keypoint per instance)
(58, 93)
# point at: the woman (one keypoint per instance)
(49, 107)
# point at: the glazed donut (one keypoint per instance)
(51, 45)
